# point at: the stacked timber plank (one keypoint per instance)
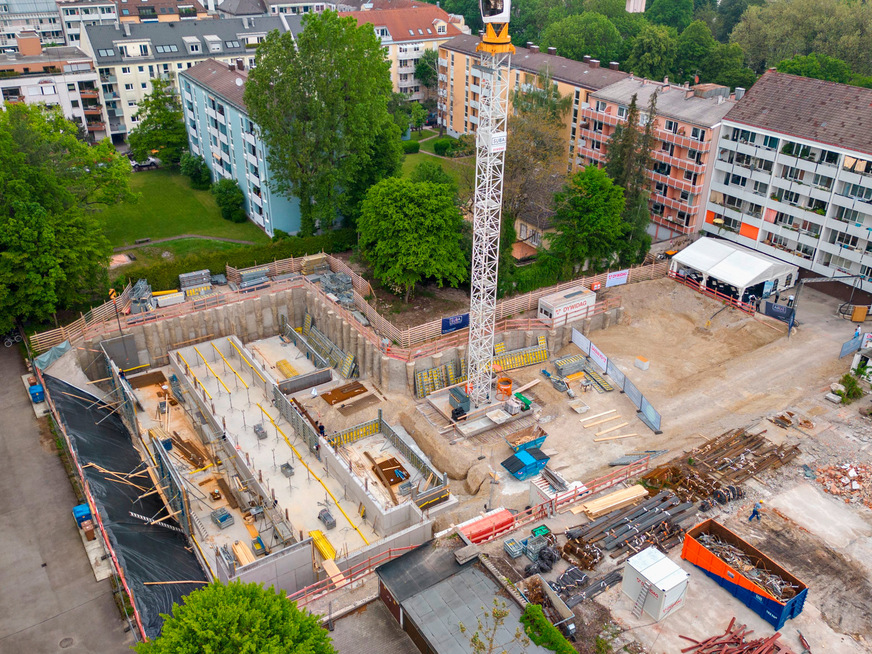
(735, 640)
(656, 521)
(616, 500)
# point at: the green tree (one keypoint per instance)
(725, 66)
(672, 13)
(433, 172)
(410, 232)
(584, 34)
(236, 618)
(729, 13)
(417, 115)
(197, 170)
(161, 126)
(385, 160)
(695, 46)
(484, 639)
(229, 198)
(588, 223)
(320, 116)
(535, 161)
(628, 161)
(53, 253)
(466, 8)
(426, 70)
(653, 53)
(817, 66)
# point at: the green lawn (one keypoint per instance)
(150, 254)
(423, 134)
(428, 145)
(463, 170)
(170, 207)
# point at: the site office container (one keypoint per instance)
(755, 597)
(567, 306)
(667, 582)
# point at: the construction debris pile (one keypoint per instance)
(850, 481)
(629, 530)
(735, 641)
(537, 595)
(779, 588)
(712, 472)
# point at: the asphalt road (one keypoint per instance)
(49, 600)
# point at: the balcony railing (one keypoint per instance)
(89, 93)
(96, 127)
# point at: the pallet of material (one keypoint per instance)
(616, 500)
(286, 368)
(243, 553)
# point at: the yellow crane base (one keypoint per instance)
(496, 39)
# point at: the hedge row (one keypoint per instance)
(164, 275)
(411, 147)
(543, 633)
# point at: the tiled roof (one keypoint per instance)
(562, 69)
(826, 112)
(409, 24)
(672, 102)
(218, 78)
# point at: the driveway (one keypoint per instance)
(49, 600)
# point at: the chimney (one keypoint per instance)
(586, 59)
(529, 45)
(614, 65)
(594, 63)
(552, 51)
(28, 43)
(126, 28)
(696, 79)
(534, 49)
(740, 93)
(240, 64)
(688, 93)
(665, 83)
(231, 66)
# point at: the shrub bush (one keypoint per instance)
(542, 632)
(852, 389)
(230, 200)
(411, 147)
(196, 170)
(441, 146)
(164, 275)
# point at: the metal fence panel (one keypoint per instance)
(616, 375)
(633, 393)
(652, 418)
(851, 346)
(600, 359)
(581, 341)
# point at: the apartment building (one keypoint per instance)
(129, 56)
(61, 77)
(75, 14)
(406, 34)
(40, 16)
(160, 11)
(459, 92)
(793, 175)
(686, 128)
(220, 131)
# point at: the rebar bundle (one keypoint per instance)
(778, 587)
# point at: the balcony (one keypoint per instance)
(442, 62)
(682, 141)
(89, 93)
(117, 128)
(680, 184)
(108, 79)
(96, 127)
(443, 77)
(93, 110)
(684, 164)
(13, 99)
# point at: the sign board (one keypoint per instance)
(498, 142)
(867, 340)
(780, 312)
(768, 288)
(849, 347)
(617, 278)
(600, 359)
(453, 323)
(581, 341)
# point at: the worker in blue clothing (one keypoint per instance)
(755, 512)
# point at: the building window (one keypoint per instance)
(600, 105)
(697, 134)
(770, 142)
(672, 126)
(125, 70)
(144, 85)
(128, 87)
(622, 112)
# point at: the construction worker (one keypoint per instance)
(857, 332)
(755, 512)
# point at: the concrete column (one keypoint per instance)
(586, 326)
(619, 315)
(607, 318)
(346, 336)
(410, 376)
(529, 339)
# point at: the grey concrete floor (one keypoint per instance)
(49, 599)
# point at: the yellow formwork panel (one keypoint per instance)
(325, 547)
(286, 368)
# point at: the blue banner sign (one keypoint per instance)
(454, 323)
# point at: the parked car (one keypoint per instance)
(149, 164)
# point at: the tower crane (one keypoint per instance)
(490, 145)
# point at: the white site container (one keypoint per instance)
(567, 306)
(668, 581)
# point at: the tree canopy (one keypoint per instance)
(426, 69)
(325, 122)
(53, 253)
(238, 618)
(653, 52)
(432, 171)
(817, 66)
(161, 127)
(672, 13)
(584, 34)
(694, 48)
(410, 232)
(588, 223)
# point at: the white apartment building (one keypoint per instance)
(130, 56)
(793, 175)
(40, 16)
(76, 14)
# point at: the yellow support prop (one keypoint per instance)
(322, 544)
(249, 365)
(196, 379)
(227, 363)
(209, 368)
(317, 478)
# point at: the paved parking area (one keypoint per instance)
(50, 601)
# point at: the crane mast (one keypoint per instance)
(490, 143)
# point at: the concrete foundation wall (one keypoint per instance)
(287, 570)
(413, 536)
